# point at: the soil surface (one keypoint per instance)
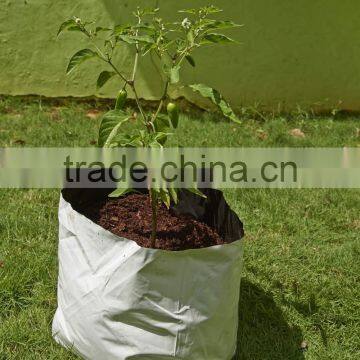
(130, 217)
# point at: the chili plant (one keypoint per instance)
(173, 43)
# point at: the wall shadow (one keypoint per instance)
(264, 333)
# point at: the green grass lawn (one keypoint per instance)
(301, 263)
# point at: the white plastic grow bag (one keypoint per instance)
(117, 300)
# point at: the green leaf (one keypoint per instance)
(190, 60)
(120, 192)
(149, 11)
(132, 39)
(145, 27)
(188, 11)
(104, 77)
(174, 195)
(175, 74)
(100, 29)
(210, 9)
(162, 123)
(165, 197)
(160, 138)
(74, 28)
(197, 192)
(121, 29)
(218, 24)
(79, 58)
(217, 99)
(147, 48)
(68, 24)
(125, 140)
(156, 140)
(216, 39)
(110, 125)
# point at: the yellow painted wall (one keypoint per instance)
(303, 52)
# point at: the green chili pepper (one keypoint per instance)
(173, 112)
(121, 99)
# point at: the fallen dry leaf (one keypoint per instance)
(93, 142)
(304, 346)
(11, 111)
(1, 264)
(262, 135)
(93, 114)
(297, 133)
(134, 116)
(55, 114)
(19, 142)
(355, 224)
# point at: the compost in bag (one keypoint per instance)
(131, 217)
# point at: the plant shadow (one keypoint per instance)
(263, 330)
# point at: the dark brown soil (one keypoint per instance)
(130, 217)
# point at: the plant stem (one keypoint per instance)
(150, 127)
(106, 59)
(132, 85)
(117, 71)
(183, 54)
(162, 100)
(132, 82)
(153, 199)
(136, 62)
